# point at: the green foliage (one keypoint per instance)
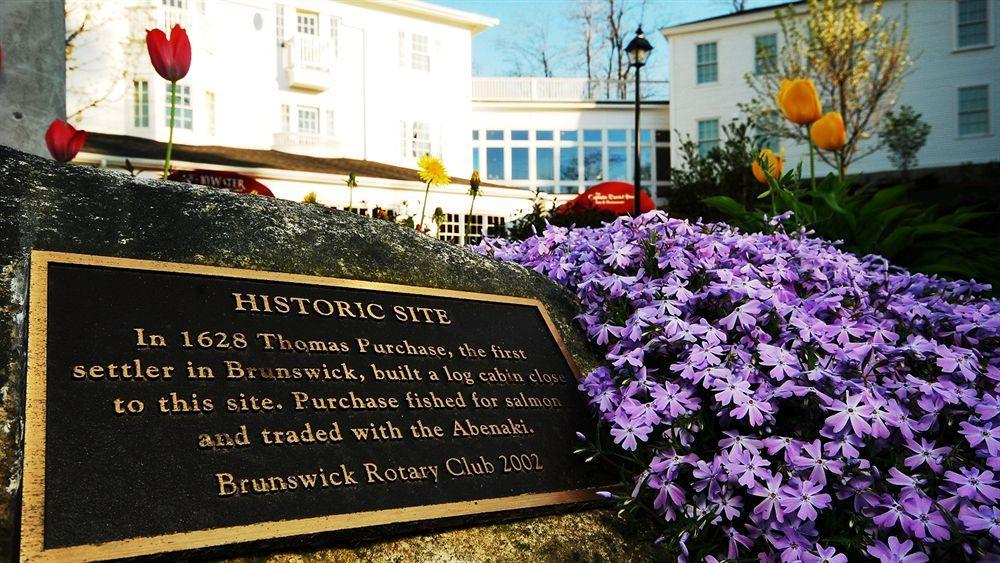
(882, 222)
(724, 171)
(904, 134)
(542, 214)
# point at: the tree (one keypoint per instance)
(858, 59)
(904, 134)
(603, 28)
(586, 15)
(528, 49)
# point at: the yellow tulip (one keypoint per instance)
(771, 161)
(799, 101)
(828, 132)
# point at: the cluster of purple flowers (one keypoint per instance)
(781, 399)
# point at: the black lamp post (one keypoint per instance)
(638, 49)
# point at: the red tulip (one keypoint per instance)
(171, 58)
(64, 141)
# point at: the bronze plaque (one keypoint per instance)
(173, 406)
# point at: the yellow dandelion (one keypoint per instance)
(432, 170)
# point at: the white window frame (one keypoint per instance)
(306, 23)
(718, 133)
(698, 65)
(184, 104)
(305, 112)
(420, 59)
(757, 70)
(957, 35)
(958, 112)
(140, 103)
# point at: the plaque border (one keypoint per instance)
(32, 532)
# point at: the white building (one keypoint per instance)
(955, 81)
(564, 135)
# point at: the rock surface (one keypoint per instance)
(48, 206)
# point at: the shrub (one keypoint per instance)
(768, 395)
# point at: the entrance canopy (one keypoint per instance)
(610, 197)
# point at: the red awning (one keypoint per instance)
(223, 179)
(612, 197)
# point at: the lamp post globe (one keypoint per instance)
(638, 50)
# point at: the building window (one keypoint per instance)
(519, 169)
(307, 23)
(519, 135)
(279, 23)
(286, 118)
(593, 163)
(592, 135)
(973, 111)
(420, 58)
(475, 159)
(708, 63)
(475, 134)
(421, 138)
(494, 135)
(708, 135)
(569, 164)
(210, 111)
(308, 119)
(473, 229)
(494, 163)
(183, 113)
(765, 49)
(617, 135)
(330, 124)
(973, 23)
(544, 164)
(617, 163)
(567, 136)
(451, 229)
(646, 163)
(140, 103)
(662, 163)
(335, 35)
(543, 135)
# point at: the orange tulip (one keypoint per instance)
(799, 101)
(771, 161)
(828, 132)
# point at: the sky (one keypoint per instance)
(489, 58)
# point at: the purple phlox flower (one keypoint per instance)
(925, 452)
(631, 332)
(627, 432)
(982, 434)
(859, 489)
(853, 410)
(981, 518)
(666, 493)
(771, 491)
(896, 552)
(707, 354)
(804, 498)
(846, 445)
(747, 466)
(736, 539)
(621, 253)
(898, 418)
(729, 505)
(974, 485)
(894, 511)
(737, 442)
(745, 315)
(784, 363)
(908, 483)
(736, 390)
(712, 475)
(633, 357)
(608, 400)
(753, 410)
(670, 461)
(824, 555)
(792, 541)
(955, 359)
(673, 400)
(921, 519)
(644, 413)
(811, 457)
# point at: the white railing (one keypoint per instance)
(308, 52)
(303, 139)
(564, 89)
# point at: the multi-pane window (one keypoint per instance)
(519, 135)
(279, 22)
(973, 110)
(308, 121)
(494, 163)
(420, 57)
(569, 163)
(421, 138)
(593, 166)
(307, 23)
(473, 229)
(210, 111)
(330, 130)
(183, 112)
(617, 163)
(140, 103)
(175, 3)
(765, 49)
(519, 169)
(973, 23)
(475, 159)
(494, 135)
(707, 63)
(451, 229)
(286, 118)
(708, 135)
(543, 135)
(335, 35)
(544, 164)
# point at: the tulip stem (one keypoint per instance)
(170, 139)
(812, 160)
(423, 209)
(840, 164)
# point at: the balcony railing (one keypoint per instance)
(308, 62)
(535, 89)
(306, 142)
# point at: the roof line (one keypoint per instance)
(749, 11)
(470, 20)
